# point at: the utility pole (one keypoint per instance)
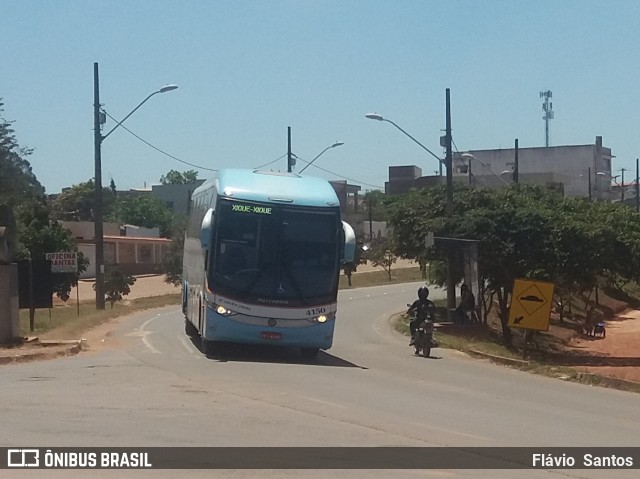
(589, 184)
(451, 281)
(515, 167)
(290, 161)
(622, 186)
(97, 203)
(637, 186)
(370, 220)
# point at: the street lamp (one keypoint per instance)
(375, 116)
(98, 205)
(447, 162)
(469, 157)
(336, 144)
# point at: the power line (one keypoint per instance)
(270, 163)
(339, 176)
(258, 167)
(158, 149)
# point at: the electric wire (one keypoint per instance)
(270, 163)
(256, 168)
(338, 175)
(158, 149)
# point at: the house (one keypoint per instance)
(131, 249)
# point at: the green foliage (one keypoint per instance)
(523, 232)
(382, 254)
(173, 257)
(117, 285)
(374, 205)
(17, 181)
(143, 210)
(39, 235)
(77, 202)
(176, 178)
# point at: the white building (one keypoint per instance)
(571, 169)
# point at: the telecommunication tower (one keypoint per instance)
(547, 107)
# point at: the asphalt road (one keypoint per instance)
(157, 389)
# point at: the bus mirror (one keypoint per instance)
(349, 243)
(206, 229)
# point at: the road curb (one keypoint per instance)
(499, 359)
(44, 352)
(607, 381)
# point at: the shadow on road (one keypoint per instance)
(230, 352)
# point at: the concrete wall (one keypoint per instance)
(568, 165)
(85, 230)
(176, 197)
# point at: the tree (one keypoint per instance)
(39, 235)
(144, 210)
(523, 232)
(173, 256)
(174, 177)
(78, 202)
(117, 285)
(381, 253)
(17, 181)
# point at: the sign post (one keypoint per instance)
(530, 306)
(66, 262)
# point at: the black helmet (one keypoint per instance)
(423, 292)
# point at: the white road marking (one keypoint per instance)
(144, 334)
(324, 403)
(186, 345)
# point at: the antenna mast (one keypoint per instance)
(547, 107)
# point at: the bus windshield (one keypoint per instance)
(274, 254)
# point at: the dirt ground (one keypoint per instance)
(144, 287)
(616, 355)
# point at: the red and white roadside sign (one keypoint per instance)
(63, 261)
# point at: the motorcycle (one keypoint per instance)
(423, 339)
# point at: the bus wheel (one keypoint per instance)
(190, 329)
(309, 354)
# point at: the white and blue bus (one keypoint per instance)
(262, 259)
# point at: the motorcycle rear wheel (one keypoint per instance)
(426, 352)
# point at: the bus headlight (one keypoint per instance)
(221, 310)
(320, 319)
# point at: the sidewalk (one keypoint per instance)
(37, 349)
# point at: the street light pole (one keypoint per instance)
(98, 206)
(451, 280)
(637, 185)
(290, 160)
(375, 116)
(516, 166)
(336, 144)
(451, 285)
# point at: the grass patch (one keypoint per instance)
(65, 321)
(378, 278)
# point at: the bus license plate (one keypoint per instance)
(271, 336)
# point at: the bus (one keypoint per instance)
(262, 258)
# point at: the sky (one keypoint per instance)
(247, 70)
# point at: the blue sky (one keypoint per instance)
(247, 70)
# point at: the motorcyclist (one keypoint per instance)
(424, 308)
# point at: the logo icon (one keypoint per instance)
(23, 458)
